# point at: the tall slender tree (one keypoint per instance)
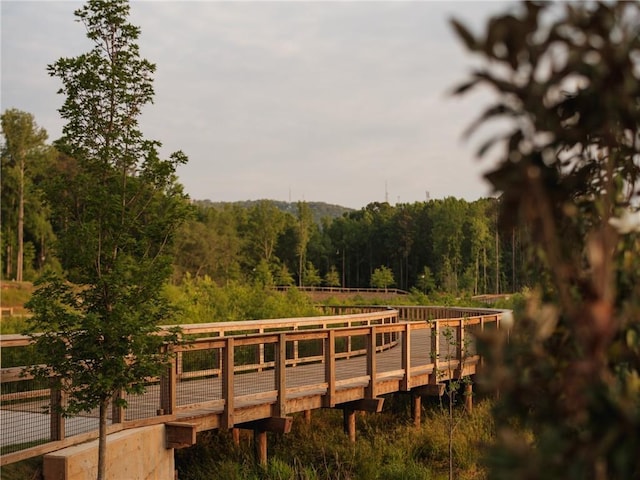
(24, 146)
(118, 205)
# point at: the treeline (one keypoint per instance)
(448, 245)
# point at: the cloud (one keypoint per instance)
(327, 100)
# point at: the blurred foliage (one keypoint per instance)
(567, 81)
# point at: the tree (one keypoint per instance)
(24, 148)
(332, 277)
(311, 276)
(567, 84)
(426, 282)
(382, 277)
(266, 222)
(303, 234)
(118, 206)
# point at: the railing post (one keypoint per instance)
(168, 389)
(57, 419)
(460, 347)
(371, 362)
(435, 351)
(227, 383)
(330, 368)
(117, 411)
(406, 358)
(260, 353)
(280, 375)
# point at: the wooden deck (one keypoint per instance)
(222, 379)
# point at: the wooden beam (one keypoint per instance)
(416, 409)
(260, 446)
(430, 390)
(168, 392)
(468, 397)
(180, 435)
(227, 383)
(271, 424)
(371, 362)
(280, 375)
(406, 358)
(373, 405)
(330, 369)
(349, 422)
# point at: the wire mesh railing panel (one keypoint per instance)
(251, 376)
(389, 357)
(24, 415)
(420, 347)
(449, 342)
(83, 422)
(198, 376)
(307, 368)
(144, 405)
(353, 366)
(470, 335)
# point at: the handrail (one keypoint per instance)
(221, 367)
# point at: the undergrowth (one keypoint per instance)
(388, 447)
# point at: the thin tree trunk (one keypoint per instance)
(450, 434)
(497, 263)
(102, 440)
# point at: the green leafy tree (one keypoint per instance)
(382, 277)
(303, 230)
(567, 85)
(426, 282)
(118, 206)
(24, 155)
(332, 277)
(265, 223)
(283, 276)
(311, 275)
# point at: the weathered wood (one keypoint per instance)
(57, 419)
(435, 352)
(416, 409)
(227, 383)
(349, 424)
(373, 405)
(168, 394)
(371, 362)
(468, 397)
(430, 390)
(330, 369)
(180, 435)
(281, 380)
(117, 412)
(406, 358)
(270, 424)
(260, 446)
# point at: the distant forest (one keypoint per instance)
(448, 245)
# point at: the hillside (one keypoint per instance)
(319, 210)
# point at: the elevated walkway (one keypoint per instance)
(252, 375)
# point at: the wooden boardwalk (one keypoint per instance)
(271, 369)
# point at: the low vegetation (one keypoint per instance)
(388, 447)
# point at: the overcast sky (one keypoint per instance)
(341, 102)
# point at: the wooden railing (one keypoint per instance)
(227, 374)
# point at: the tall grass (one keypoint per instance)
(388, 447)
